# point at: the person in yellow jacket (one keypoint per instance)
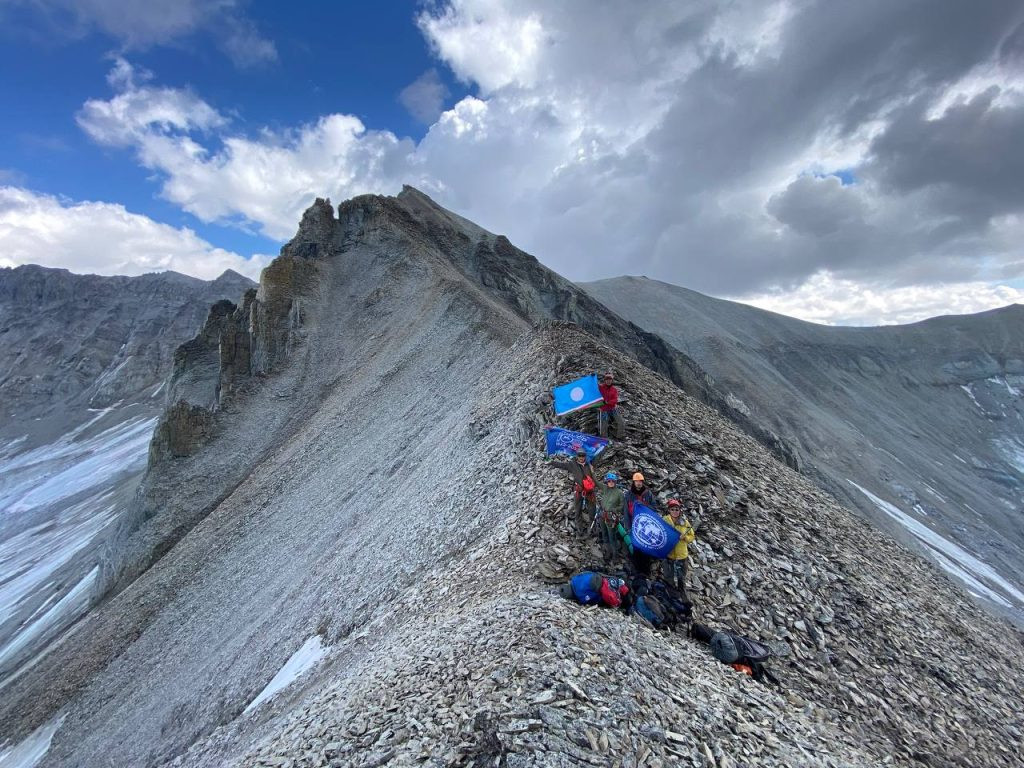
(676, 563)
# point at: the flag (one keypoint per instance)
(578, 394)
(565, 441)
(650, 534)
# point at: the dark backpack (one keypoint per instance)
(677, 607)
(751, 651)
(649, 609)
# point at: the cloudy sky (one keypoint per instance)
(844, 162)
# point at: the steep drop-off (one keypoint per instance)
(83, 361)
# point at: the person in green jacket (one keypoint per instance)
(676, 562)
(611, 505)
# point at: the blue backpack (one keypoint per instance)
(586, 587)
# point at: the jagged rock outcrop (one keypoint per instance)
(927, 418)
(379, 490)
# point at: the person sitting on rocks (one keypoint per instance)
(590, 588)
(675, 565)
(611, 504)
(584, 487)
(609, 411)
(739, 652)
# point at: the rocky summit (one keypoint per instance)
(344, 549)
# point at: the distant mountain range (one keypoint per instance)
(921, 427)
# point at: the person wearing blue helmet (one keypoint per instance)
(611, 503)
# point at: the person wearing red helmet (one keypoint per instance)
(676, 563)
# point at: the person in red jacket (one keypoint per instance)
(610, 410)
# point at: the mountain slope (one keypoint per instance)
(83, 360)
(919, 426)
(348, 477)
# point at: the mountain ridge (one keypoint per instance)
(365, 470)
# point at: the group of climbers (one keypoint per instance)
(652, 589)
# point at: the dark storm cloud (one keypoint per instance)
(972, 154)
(838, 68)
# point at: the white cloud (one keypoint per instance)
(105, 239)
(486, 42)
(141, 25)
(832, 301)
(424, 97)
(267, 180)
(690, 142)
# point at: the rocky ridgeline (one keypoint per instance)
(882, 661)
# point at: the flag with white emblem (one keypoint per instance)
(651, 534)
(566, 442)
(576, 395)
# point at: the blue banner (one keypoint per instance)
(578, 394)
(567, 442)
(650, 534)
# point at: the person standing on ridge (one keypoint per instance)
(637, 492)
(611, 506)
(584, 487)
(610, 409)
(676, 563)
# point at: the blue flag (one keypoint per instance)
(650, 534)
(565, 441)
(578, 394)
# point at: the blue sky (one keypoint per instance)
(351, 57)
(817, 158)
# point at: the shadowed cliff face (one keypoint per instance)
(927, 418)
(348, 479)
(74, 341)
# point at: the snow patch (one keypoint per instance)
(934, 493)
(1013, 391)
(51, 623)
(300, 662)
(951, 557)
(30, 751)
(970, 394)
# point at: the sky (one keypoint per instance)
(845, 163)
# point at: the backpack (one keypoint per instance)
(649, 609)
(586, 587)
(677, 607)
(737, 649)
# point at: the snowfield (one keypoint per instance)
(951, 557)
(56, 502)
